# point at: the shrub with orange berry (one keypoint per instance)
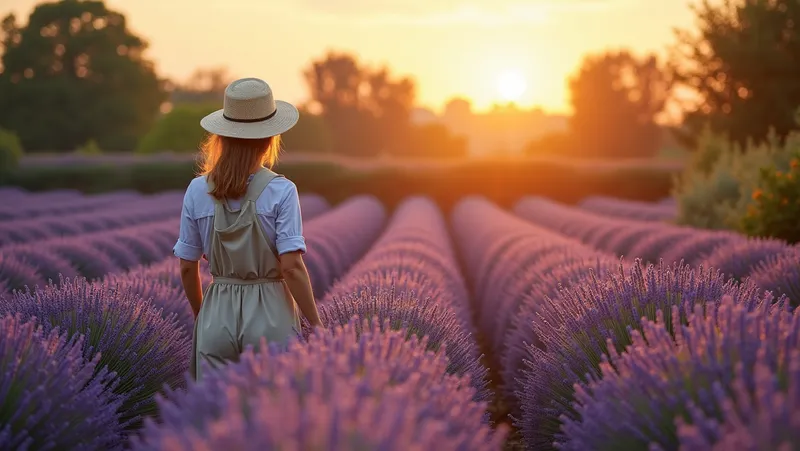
(775, 210)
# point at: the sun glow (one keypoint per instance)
(511, 85)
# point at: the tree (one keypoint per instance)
(743, 62)
(367, 112)
(204, 86)
(75, 73)
(616, 98)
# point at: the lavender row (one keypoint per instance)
(729, 380)
(28, 208)
(92, 255)
(13, 195)
(133, 351)
(313, 205)
(628, 209)
(514, 266)
(410, 277)
(735, 255)
(588, 323)
(357, 386)
(336, 239)
(136, 211)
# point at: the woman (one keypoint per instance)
(245, 220)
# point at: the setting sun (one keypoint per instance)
(511, 85)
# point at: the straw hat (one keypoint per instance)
(250, 111)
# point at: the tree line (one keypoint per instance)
(76, 74)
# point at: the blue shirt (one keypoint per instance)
(278, 209)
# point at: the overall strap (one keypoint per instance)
(261, 179)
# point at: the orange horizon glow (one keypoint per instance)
(488, 52)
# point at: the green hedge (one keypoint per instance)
(502, 182)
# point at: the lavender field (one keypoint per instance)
(599, 326)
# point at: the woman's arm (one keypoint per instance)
(190, 277)
(294, 271)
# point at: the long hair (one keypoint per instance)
(228, 162)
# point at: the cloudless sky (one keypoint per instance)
(450, 47)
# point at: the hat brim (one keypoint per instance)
(284, 119)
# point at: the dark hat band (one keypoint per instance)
(260, 119)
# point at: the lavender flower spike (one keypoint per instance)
(49, 397)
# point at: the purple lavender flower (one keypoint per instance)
(145, 250)
(144, 349)
(575, 326)
(118, 253)
(780, 274)
(336, 239)
(526, 261)
(649, 241)
(417, 317)
(169, 298)
(763, 417)
(661, 378)
(355, 387)
(413, 273)
(693, 251)
(50, 397)
(168, 272)
(90, 263)
(49, 266)
(653, 247)
(522, 333)
(17, 275)
(739, 259)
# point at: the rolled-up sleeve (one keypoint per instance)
(189, 245)
(289, 223)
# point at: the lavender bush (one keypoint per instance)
(50, 398)
(662, 378)
(417, 317)
(143, 348)
(336, 239)
(780, 274)
(170, 299)
(739, 259)
(48, 266)
(313, 205)
(353, 387)
(17, 275)
(650, 241)
(629, 209)
(522, 332)
(575, 326)
(762, 417)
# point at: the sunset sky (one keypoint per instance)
(450, 47)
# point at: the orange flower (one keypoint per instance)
(794, 163)
(778, 174)
(784, 201)
(757, 194)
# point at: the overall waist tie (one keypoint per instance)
(235, 281)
